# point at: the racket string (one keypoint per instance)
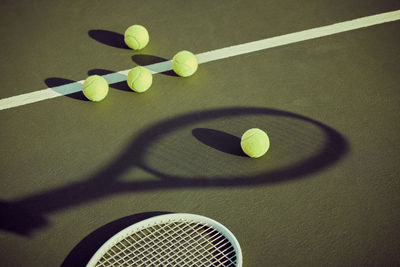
(138, 245)
(176, 243)
(179, 251)
(144, 246)
(196, 248)
(200, 244)
(212, 248)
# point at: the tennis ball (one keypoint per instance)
(136, 37)
(254, 143)
(95, 88)
(184, 63)
(139, 79)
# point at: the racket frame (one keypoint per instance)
(165, 218)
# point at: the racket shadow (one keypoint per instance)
(28, 213)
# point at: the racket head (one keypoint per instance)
(300, 145)
(178, 239)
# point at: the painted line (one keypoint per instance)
(217, 54)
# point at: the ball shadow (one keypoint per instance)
(219, 140)
(100, 72)
(62, 86)
(123, 86)
(109, 38)
(146, 60)
(85, 249)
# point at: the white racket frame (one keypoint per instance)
(159, 219)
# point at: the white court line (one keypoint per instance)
(222, 53)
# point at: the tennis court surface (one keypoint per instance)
(75, 172)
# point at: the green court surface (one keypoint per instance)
(75, 172)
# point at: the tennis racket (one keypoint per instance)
(178, 239)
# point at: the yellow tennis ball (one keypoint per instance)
(139, 79)
(95, 88)
(255, 143)
(136, 37)
(184, 63)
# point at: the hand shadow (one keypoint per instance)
(109, 38)
(20, 219)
